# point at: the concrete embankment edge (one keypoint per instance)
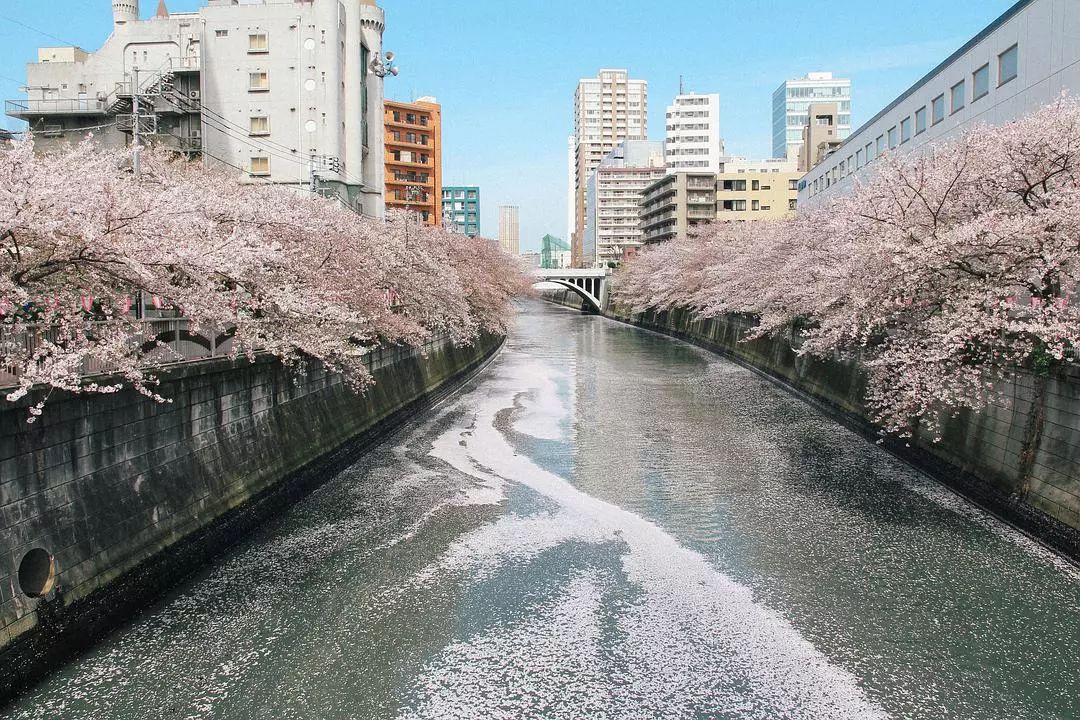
(127, 496)
(1018, 460)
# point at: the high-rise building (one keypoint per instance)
(571, 167)
(612, 225)
(261, 88)
(461, 209)
(509, 229)
(413, 137)
(608, 109)
(693, 133)
(791, 104)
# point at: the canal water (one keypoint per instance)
(606, 523)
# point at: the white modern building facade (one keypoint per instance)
(279, 90)
(1023, 61)
(791, 104)
(693, 133)
(613, 196)
(608, 109)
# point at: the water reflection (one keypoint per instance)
(607, 524)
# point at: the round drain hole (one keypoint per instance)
(37, 573)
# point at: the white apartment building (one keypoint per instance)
(693, 133)
(1021, 62)
(277, 89)
(791, 104)
(608, 109)
(613, 196)
(509, 229)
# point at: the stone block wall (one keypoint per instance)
(102, 485)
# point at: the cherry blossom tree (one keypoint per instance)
(943, 272)
(280, 271)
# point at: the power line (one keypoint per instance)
(38, 31)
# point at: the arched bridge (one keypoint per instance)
(591, 285)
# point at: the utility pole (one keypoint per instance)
(136, 160)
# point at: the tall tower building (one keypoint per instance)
(571, 166)
(608, 109)
(693, 133)
(791, 103)
(413, 137)
(509, 229)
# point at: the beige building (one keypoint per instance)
(608, 109)
(820, 136)
(509, 229)
(744, 191)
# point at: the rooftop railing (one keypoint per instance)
(77, 106)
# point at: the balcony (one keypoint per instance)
(185, 64)
(25, 109)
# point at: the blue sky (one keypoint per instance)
(505, 72)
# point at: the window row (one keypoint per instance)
(410, 118)
(926, 116)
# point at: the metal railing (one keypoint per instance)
(55, 107)
(168, 341)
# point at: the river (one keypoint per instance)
(606, 523)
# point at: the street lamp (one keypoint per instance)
(383, 65)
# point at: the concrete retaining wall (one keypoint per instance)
(123, 494)
(1021, 460)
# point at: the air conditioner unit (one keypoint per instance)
(195, 95)
(195, 134)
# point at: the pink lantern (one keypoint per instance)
(125, 304)
(157, 301)
(87, 302)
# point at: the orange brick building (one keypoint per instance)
(414, 157)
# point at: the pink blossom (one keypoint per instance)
(916, 272)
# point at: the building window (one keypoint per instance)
(260, 125)
(755, 185)
(397, 116)
(858, 158)
(905, 129)
(869, 152)
(880, 145)
(892, 137)
(937, 110)
(958, 97)
(792, 204)
(755, 204)
(258, 81)
(1008, 65)
(260, 166)
(258, 43)
(793, 184)
(221, 33)
(980, 82)
(920, 120)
